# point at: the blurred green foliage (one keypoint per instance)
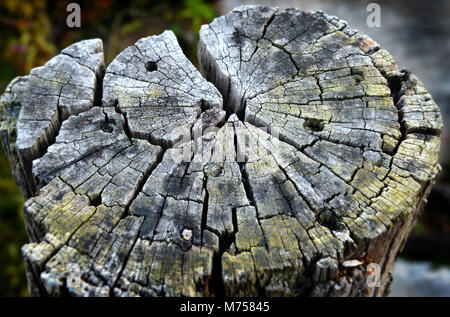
(12, 234)
(445, 174)
(34, 31)
(24, 29)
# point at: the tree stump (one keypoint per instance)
(298, 169)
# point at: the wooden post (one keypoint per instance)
(298, 169)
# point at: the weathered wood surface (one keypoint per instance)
(142, 180)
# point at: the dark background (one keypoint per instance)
(415, 32)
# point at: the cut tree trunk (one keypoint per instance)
(298, 169)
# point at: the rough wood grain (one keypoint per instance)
(143, 181)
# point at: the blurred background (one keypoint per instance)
(416, 33)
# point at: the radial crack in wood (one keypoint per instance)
(161, 103)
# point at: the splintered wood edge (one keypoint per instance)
(298, 169)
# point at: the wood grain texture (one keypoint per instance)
(301, 157)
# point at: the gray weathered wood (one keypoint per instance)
(306, 157)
